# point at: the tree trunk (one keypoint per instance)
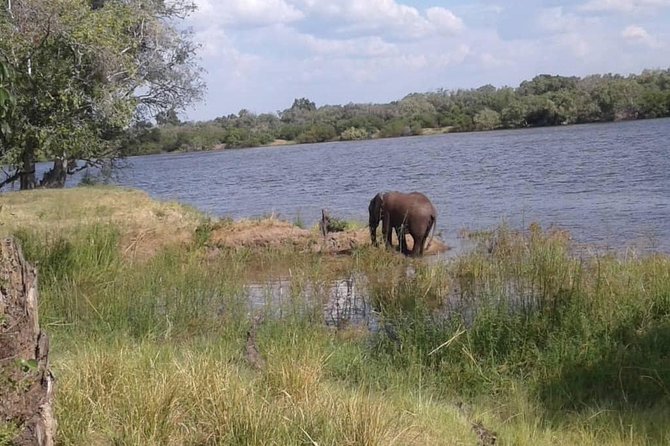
(26, 383)
(27, 178)
(55, 177)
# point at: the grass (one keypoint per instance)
(146, 226)
(537, 343)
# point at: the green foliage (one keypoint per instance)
(545, 83)
(542, 101)
(8, 433)
(396, 127)
(353, 133)
(83, 72)
(88, 284)
(6, 99)
(337, 225)
(319, 132)
(487, 119)
(90, 251)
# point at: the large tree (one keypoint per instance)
(83, 70)
(6, 98)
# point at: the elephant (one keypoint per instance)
(411, 213)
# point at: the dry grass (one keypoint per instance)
(146, 226)
(261, 233)
(145, 394)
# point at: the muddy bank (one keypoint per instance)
(274, 233)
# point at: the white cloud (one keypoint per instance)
(359, 47)
(488, 60)
(444, 20)
(576, 34)
(637, 34)
(625, 6)
(246, 12)
(556, 20)
(382, 16)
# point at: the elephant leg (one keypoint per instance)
(417, 249)
(398, 233)
(426, 235)
(387, 232)
(402, 240)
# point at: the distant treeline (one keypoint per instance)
(545, 100)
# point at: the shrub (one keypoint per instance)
(353, 133)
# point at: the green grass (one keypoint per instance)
(543, 346)
(7, 434)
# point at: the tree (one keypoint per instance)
(487, 119)
(303, 104)
(319, 132)
(300, 112)
(514, 115)
(167, 117)
(546, 83)
(83, 71)
(542, 101)
(6, 98)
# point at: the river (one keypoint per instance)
(608, 184)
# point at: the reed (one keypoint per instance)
(525, 336)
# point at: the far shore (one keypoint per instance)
(424, 132)
(286, 142)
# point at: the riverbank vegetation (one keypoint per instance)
(545, 100)
(522, 339)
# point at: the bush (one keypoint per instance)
(487, 119)
(395, 128)
(354, 133)
(317, 133)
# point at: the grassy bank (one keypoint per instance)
(520, 337)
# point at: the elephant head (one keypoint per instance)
(375, 210)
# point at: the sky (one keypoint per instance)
(260, 55)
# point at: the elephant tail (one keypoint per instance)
(433, 223)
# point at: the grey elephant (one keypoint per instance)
(411, 213)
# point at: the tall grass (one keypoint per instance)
(88, 285)
(585, 335)
(542, 345)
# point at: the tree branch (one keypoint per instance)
(11, 178)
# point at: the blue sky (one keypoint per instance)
(260, 55)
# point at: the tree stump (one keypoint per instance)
(26, 383)
(324, 223)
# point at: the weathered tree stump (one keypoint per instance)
(26, 383)
(324, 223)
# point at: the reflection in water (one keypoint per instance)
(348, 303)
(346, 300)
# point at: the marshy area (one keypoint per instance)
(170, 327)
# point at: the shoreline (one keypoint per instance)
(427, 132)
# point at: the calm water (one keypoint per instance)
(609, 184)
